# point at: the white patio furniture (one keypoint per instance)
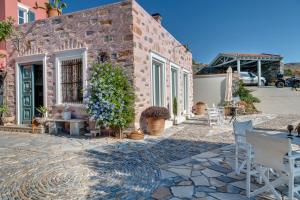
(274, 153)
(213, 116)
(239, 131)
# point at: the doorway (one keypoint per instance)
(31, 91)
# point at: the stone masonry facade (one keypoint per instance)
(123, 31)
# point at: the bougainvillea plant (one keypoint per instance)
(110, 96)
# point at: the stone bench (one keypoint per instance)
(76, 125)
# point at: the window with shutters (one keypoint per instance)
(25, 15)
(71, 81)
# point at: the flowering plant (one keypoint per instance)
(110, 96)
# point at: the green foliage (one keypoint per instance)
(245, 94)
(54, 4)
(110, 97)
(3, 109)
(42, 109)
(288, 72)
(6, 28)
(175, 106)
(157, 112)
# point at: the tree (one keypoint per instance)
(110, 97)
(6, 28)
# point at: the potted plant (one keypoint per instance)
(200, 108)
(53, 8)
(66, 114)
(5, 120)
(136, 135)
(156, 117)
(110, 97)
(43, 111)
(175, 110)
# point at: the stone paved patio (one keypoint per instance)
(53, 167)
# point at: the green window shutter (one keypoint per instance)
(31, 16)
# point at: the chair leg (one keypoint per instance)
(248, 179)
(237, 159)
(291, 188)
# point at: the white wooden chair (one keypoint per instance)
(273, 153)
(213, 116)
(239, 131)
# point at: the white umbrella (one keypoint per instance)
(228, 93)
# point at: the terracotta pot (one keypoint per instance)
(8, 120)
(53, 12)
(136, 135)
(200, 108)
(155, 126)
(227, 111)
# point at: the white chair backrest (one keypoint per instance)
(268, 150)
(239, 128)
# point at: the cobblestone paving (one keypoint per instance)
(52, 167)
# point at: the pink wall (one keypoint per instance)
(9, 8)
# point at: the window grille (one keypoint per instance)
(71, 81)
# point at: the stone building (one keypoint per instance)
(159, 67)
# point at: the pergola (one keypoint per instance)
(248, 62)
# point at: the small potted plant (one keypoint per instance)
(66, 114)
(200, 108)
(136, 135)
(5, 120)
(175, 110)
(156, 117)
(43, 111)
(53, 8)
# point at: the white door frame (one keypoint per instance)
(163, 61)
(177, 68)
(24, 60)
(187, 73)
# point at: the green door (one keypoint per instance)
(27, 94)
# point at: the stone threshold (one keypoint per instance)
(21, 129)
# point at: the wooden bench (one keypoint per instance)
(76, 125)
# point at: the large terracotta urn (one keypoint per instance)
(155, 126)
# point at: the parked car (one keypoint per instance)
(287, 82)
(250, 78)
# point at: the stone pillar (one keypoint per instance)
(259, 72)
(238, 66)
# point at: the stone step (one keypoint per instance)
(21, 129)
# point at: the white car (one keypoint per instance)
(250, 78)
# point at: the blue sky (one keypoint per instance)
(213, 26)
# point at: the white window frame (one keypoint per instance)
(68, 55)
(176, 67)
(26, 10)
(157, 58)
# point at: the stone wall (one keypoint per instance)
(105, 29)
(151, 36)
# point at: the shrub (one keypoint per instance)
(110, 96)
(157, 113)
(175, 107)
(245, 94)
